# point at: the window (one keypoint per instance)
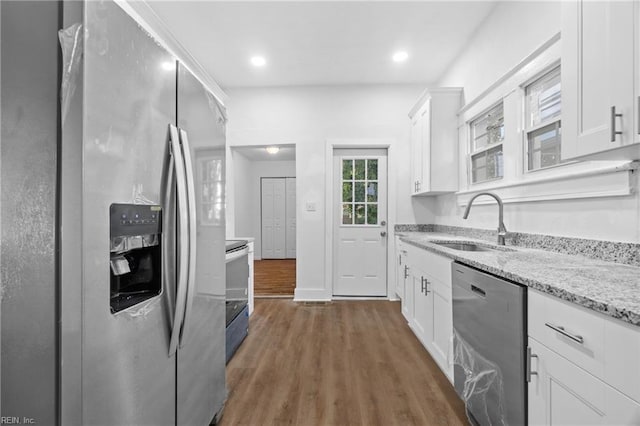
(360, 192)
(543, 108)
(487, 134)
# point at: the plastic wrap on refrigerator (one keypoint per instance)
(72, 45)
(217, 108)
(483, 385)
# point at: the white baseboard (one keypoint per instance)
(311, 295)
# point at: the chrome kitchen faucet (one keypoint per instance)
(502, 230)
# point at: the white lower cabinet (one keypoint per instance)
(442, 338)
(561, 393)
(407, 300)
(401, 262)
(423, 305)
(427, 304)
(586, 365)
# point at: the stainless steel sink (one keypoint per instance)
(464, 246)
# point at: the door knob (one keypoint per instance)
(383, 233)
(383, 223)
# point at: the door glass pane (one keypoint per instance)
(359, 214)
(372, 191)
(347, 191)
(372, 169)
(347, 169)
(347, 214)
(359, 186)
(372, 214)
(359, 192)
(359, 166)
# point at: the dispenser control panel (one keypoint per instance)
(135, 219)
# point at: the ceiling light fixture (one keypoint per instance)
(272, 149)
(258, 61)
(400, 56)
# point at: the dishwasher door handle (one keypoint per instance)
(478, 290)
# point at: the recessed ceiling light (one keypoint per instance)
(400, 56)
(272, 149)
(258, 61)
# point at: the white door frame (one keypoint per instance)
(392, 166)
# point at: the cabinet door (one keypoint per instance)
(416, 153)
(401, 256)
(423, 302)
(597, 74)
(563, 394)
(441, 343)
(425, 148)
(407, 300)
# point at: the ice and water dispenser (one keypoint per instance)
(136, 238)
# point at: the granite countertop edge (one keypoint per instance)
(631, 316)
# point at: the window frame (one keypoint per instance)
(475, 152)
(527, 129)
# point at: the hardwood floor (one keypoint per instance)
(274, 277)
(342, 363)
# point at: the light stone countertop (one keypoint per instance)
(609, 288)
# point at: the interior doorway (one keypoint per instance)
(264, 191)
(278, 217)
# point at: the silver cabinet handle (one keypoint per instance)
(529, 372)
(614, 132)
(406, 271)
(561, 330)
(425, 283)
(191, 207)
(400, 259)
(383, 223)
(183, 238)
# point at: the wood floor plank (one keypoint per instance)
(341, 363)
(274, 277)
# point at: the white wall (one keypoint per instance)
(248, 222)
(513, 31)
(306, 117)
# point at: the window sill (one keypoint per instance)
(608, 180)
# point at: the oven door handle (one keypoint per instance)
(234, 255)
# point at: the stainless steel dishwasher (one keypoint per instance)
(489, 343)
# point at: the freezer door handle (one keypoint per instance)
(182, 237)
(191, 207)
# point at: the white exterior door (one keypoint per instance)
(360, 227)
(273, 218)
(290, 218)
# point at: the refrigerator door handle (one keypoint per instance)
(191, 204)
(182, 234)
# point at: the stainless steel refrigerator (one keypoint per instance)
(134, 312)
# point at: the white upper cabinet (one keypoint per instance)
(598, 78)
(434, 142)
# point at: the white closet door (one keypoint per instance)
(273, 218)
(291, 218)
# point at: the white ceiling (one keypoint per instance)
(259, 153)
(323, 42)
